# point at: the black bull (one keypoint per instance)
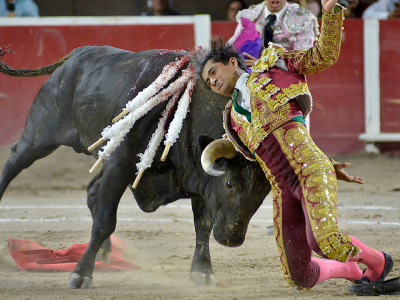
(82, 96)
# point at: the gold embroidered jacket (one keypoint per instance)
(278, 95)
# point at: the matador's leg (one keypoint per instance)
(290, 222)
(317, 180)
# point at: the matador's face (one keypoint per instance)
(221, 78)
(275, 6)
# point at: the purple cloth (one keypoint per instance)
(249, 40)
(252, 48)
(248, 33)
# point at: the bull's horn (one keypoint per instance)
(214, 150)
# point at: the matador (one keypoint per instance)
(265, 121)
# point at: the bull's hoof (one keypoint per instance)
(87, 283)
(76, 281)
(270, 230)
(201, 279)
(103, 256)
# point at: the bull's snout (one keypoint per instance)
(228, 239)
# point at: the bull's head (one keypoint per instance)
(238, 189)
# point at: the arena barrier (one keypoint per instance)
(347, 114)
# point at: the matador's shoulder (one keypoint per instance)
(298, 19)
(268, 59)
(252, 13)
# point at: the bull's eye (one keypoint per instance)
(229, 184)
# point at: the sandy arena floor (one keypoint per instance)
(47, 204)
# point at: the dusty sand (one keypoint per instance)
(162, 243)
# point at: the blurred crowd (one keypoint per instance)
(378, 9)
(18, 8)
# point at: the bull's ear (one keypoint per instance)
(204, 140)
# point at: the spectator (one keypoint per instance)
(234, 7)
(294, 28)
(18, 8)
(160, 8)
(383, 9)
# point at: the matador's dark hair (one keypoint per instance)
(219, 51)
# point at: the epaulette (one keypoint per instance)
(268, 58)
(298, 19)
(252, 13)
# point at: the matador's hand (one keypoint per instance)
(342, 175)
(250, 60)
(328, 5)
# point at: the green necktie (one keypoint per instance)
(238, 108)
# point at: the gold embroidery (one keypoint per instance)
(295, 90)
(260, 86)
(318, 182)
(288, 93)
(270, 120)
(257, 85)
(248, 135)
(268, 58)
(266, 93)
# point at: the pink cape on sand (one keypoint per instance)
(30, 256)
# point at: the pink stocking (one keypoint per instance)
(374, 260)
(335, 269)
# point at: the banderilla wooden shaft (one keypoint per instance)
(96, 144)
(102, 140)
(96, 165)
(120, 116)
(165, 153)
(135, 184)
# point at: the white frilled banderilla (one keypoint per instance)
(147, 99)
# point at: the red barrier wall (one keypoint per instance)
(390, 75)
(38, 46)
(338, 115)
(338, 93)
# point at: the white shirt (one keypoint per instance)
(278, 14)
(243, 98)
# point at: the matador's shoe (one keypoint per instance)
(366, 287)
(373, 288)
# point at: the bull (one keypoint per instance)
(85, 91)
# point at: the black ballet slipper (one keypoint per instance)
(374, 288)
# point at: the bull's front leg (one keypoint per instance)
(104, 253)
(110, 190)
(201, 272)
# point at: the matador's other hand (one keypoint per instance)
(342, 175)
(328, 5)
(250, 61)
